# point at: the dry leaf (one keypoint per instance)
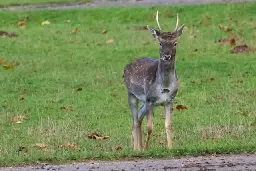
(245, 113)
(242, 49)
(21, 23)
(179, 107)
(104, 31)
(18, 119)
(76, 30)
(138, 28)
(9, 66)
(40, 145)
(97, 136)
(66, 108)
(212, 79)
(79, 89)
(232, 42)
(67, 21)
(110, 41)
(2, 60)
(45, 22)
(118, 148)
(69, 145)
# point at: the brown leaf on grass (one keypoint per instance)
(67, 21)
(179, 107)
(231, 41)
(226, 28)
(242, 49)
(104, 31)
(40, 145)
(2, 60)
(212, 79)
(4, 34)
(245, 113)
(21, 23)
(79, 89)
(22, 149)
(9, 66)
(22, 98)
(45, 22)
(76, 30)
(110, 41)
(97, 136)
(137, 28)
(66, 108)
(18, 119)
(69, 145)
(118, 148)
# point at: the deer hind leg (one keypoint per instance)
(141, 114)
(136, 126)
(149, 123)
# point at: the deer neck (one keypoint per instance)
(166, 73)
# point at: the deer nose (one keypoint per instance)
(167, 57)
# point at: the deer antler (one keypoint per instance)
(177, 24)
(157, 21)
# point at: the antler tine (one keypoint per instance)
(157, 20)
(177, 24)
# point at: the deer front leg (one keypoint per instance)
(149, 109)
(136, 125)
(168, 125)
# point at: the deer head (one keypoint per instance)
(167, 40)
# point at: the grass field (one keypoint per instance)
(61, 82)
(37, 2)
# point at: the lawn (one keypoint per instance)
(62, 81)
(38, 2)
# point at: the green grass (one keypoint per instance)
(51, 62)
(38, 2)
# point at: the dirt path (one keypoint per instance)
(102, 3)
(210, 163)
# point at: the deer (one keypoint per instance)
(154, 82)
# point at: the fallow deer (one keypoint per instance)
(154, 82)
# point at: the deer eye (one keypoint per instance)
(175, 44)
(160, 44)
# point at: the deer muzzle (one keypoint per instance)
(167, 57)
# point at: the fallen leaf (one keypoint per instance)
(79, 89)
(21, 23)
(67, 21)
(45, 22)
(242, 49)
(40, 145)
(2, 60)
(118, 148)
(9, 66)
(232, 42)
(104, 31)
(21, 99)
(138, 28)
(4, 34)
(225, 28)
(69, 145)
(18, 119)
(179, 107)
(97, 136)
(66, 108)
(110, 41)
(22, 149)
(245, 113)
(212, 79)
(76, 30)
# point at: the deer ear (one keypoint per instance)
(180, 30)
(154, 32)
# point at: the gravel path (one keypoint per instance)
(102, 3)
(210, 163)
